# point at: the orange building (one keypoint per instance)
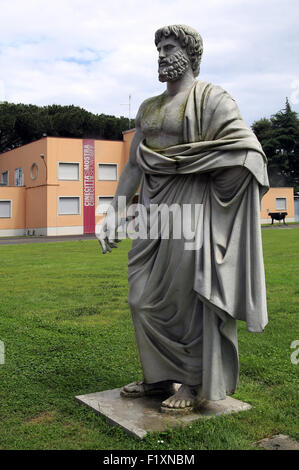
(52, 186)
(278, 200)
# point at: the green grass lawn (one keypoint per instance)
(65, 322)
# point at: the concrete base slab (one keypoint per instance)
(138, 416)
(278, 442)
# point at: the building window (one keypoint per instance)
(104, 202)
(34, 171)
(5, 209)
(107, 172)
(19, 181)
(69, 205)
(68, 171)
(281, 204)
(4, 178)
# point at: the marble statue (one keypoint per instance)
(191, 146)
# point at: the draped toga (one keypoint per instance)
(185, 303)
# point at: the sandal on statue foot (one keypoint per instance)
(187, 398)
(142, 389)
(195, 406)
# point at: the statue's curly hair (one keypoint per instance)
(188, 38)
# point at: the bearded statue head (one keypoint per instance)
(173, 65)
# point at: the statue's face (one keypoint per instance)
(173, 59)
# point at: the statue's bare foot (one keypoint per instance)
(186, 398)
(141, 389)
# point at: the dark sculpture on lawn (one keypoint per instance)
(278, 216)
(191, 146)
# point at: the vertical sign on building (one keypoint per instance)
(88, 186)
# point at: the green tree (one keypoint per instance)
(279, 137)
(21, 124)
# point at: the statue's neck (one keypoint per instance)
(173, 88)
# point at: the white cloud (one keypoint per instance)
(2, 91)
(94, 53)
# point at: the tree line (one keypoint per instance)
(279, 137)
(21, 124)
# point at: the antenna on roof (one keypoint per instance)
(129, 105)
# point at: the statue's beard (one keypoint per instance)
(173, 67)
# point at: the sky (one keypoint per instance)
(95, 53)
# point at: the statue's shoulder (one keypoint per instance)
(212, 98)
(204, 88)
(150, 105)
(153, 101)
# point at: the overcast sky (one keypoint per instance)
(94, 53)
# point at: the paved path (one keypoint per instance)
(70, 238)
(29, 239)
(278, 226)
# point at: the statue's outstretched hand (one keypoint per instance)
(106, 236)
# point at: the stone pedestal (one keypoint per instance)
(138, 416)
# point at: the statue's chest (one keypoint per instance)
(164, 117)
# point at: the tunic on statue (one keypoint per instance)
(184, 302)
